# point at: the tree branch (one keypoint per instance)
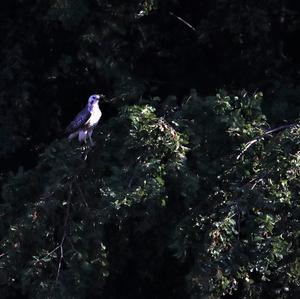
(253, 141)
(183, 21)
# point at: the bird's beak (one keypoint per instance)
(101, 96)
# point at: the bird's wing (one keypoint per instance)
(81, 118)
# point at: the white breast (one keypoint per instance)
(95, 116)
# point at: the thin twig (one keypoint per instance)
(121, 96)
(95, 260)
(253, 141)
(49, 253)
(134, 172)
(82, 196)
(256, 183)
(64, 235)
(183, 21)
(187, 100)
(248, 144)
(238, 221)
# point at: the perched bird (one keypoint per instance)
(86, 120)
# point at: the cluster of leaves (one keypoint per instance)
(160, 182)
(56, 239)
(247, 240)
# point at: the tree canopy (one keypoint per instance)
(192, 189)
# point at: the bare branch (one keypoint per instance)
(183, 21)
(248, 145)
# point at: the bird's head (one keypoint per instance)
(94, 99)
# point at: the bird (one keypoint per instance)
(85, 121)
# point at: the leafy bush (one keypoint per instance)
(73, 224)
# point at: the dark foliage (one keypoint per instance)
(185, 195)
